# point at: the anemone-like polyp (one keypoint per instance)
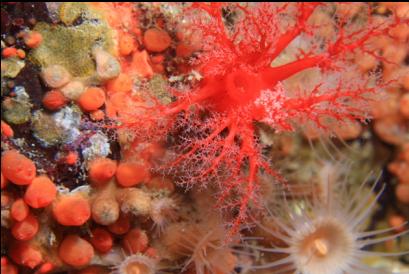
(327, 234)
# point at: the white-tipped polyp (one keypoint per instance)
(327, 235)
(136, 263)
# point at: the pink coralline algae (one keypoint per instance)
(260, 64)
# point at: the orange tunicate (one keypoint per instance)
(93, 269)
(40, 193)
(21, 54)
(73, 90)
(101, 170)
(135, 241)
(395, 53)
(400, 32)
(122, 83)
(130, 174)
(386, 107)
(92, 99)
(156, 40)
(9, 52)
(105, 209)
(6, 130)
(101, 240)
(405, 152)
(405, 81)
(365, 62)
(126, 44)
(72, 210)
(97, 115)
(5, 199)
(19, 210)
(160, 183)
(107, 66)
(348, 131)
(158, 59)
(26, 229)
(56, 76)
(397, 222)
(71, 158)
(17, 168)
(7, 267)
(152, 151)
(402, 193)
(120, 16)
(54, 100)
(184, 50)
(140, 64)
(75, 251)
(46, 268)
(3, 181)
(33, 39)
(404, 105)
(111, 111)
(121, 226)
(391, 129)
(401, 170)
(151, 252)
(158, 68)
(117, 102)
(24, 253)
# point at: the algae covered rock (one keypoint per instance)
(57, 128)
(45, 129)
(71, 11)
(71, 45)
(17, 110)
(158, 87)
(97, 146)
(11, 67)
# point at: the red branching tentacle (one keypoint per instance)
(235, 180)
(207, 91)
(227, 144)
(306, 11)
(273, 75)
(200, 143)
(275, 174)
(312, 105)
(215, 11)
(249, 191)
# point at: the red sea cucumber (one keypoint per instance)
(242, 86)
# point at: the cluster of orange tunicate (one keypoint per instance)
(39, 192)
(65, 89)
(123, 17)
(400, 168)
(391, 115)
(115, 197)
(121, 193)
(141, 53)
(391, 52)
(108, 210)
(32, 39)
